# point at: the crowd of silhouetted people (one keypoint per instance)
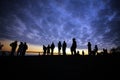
(21, 48)
(49, 49)
(61, 46)
(95, 50)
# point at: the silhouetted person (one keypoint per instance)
(20, 49)
(25, 47)
(52, 48)
(13, 47)
(113, 51)
(78, 53)
(83, 53)
(95, 49)
(89, 48)
(1, 45)
(105, 51)
(48, 50)
(44, 50)
(59, 47)
(92, 52)
(73, 47)
(64, 48)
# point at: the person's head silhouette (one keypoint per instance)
(73, 39)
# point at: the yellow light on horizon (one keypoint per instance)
(36, 48)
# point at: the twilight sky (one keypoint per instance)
(43, 21)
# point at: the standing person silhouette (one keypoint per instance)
(59, 47)
(89, 48)
(64, 48)
(44, 49)
(52, 48)
(73, 47)
(96, 49)
(83, 53)
(1, 45)
(13, 47)
(25, 47)
(48, 50)
(20, 48)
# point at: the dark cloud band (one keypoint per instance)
(43, 21)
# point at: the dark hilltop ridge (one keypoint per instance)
(101, 65)
(61, 67)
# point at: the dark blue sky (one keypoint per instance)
(43, 21)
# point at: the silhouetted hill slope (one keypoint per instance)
(57, 67)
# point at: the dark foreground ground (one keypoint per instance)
(60, 67)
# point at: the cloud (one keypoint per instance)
(44, 21)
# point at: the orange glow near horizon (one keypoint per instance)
(6, 44)
(36, 48)
(31, 47)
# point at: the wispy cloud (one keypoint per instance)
(43, 21)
